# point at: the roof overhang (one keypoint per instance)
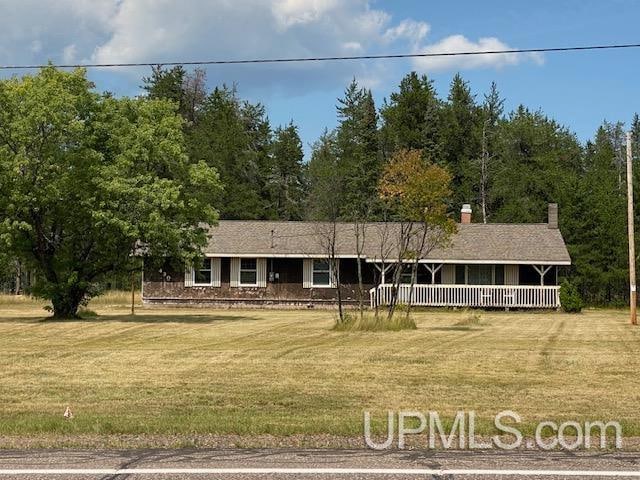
(480, 262)
(276, 255)
(375, 260)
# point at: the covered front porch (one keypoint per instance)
(480, 285)
(479, 296)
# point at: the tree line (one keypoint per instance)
(508, 165)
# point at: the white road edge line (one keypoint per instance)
(321, 471)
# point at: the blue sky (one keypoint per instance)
(579, 89)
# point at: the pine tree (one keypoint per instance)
(286, 181)
(595, 226)
(357, 146)
(165, 84)
(325, 180)
(460, 141)
(492, 110)
(412, 118)
(537, 163)
(234, 137)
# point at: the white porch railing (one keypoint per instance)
(501, 296)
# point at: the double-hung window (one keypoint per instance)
(248, 272)
(321, 274)
(202, 273)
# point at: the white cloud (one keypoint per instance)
(459, 43)
(293, 12)
(119, 31)
(407, 30)
(69, 53)
(32, 31)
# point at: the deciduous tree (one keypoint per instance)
(89, 181)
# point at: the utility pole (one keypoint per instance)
(632, 246)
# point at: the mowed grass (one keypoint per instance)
(189, 371)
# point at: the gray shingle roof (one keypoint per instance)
(499, 243)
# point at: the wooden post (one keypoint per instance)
(18, 289)
(633, 294)
(133, 292)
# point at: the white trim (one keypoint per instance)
(495, 262)
(234, 272)
(306, 272)
(376, 260)
(297, 471)
(331, 283)
(210, 270)
(278, 255)
(517, 296)
(240, 270)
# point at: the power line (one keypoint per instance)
(336, 58)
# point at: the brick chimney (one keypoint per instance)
(552, 221)
(465, 213)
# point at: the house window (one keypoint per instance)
(461, 275)
(248, 271)
(480, 274)
(321, 273)
(499, 274)
(406, 274)
(202, 275)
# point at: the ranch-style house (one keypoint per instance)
(279, 263)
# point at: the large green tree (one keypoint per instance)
(234, 136)
(286, 180)
(358, 152)
(326, 183)
(89, 181)
(412, 118)
(594, 225)
(537, 163)
(461, 141)
(188, 90)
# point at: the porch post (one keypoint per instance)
(383, 270)
(542, 271)
(432, 270)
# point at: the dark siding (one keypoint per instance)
(287, 288)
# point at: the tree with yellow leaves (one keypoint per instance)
(416, 193)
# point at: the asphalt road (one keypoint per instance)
(313, 464)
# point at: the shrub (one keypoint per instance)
(472, 318)
(369, 323)
(570, 298)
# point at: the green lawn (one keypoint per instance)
(180, 371)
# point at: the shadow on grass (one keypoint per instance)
(462, 328)
(142, 318)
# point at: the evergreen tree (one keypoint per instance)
(186, 89)
(234, 137)
(286, 181)
(595, 226)
(491, 113)
(165, 84)
(460, 141)
(357, 149)
(326, 182)
(412, 118)
(537, 163)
